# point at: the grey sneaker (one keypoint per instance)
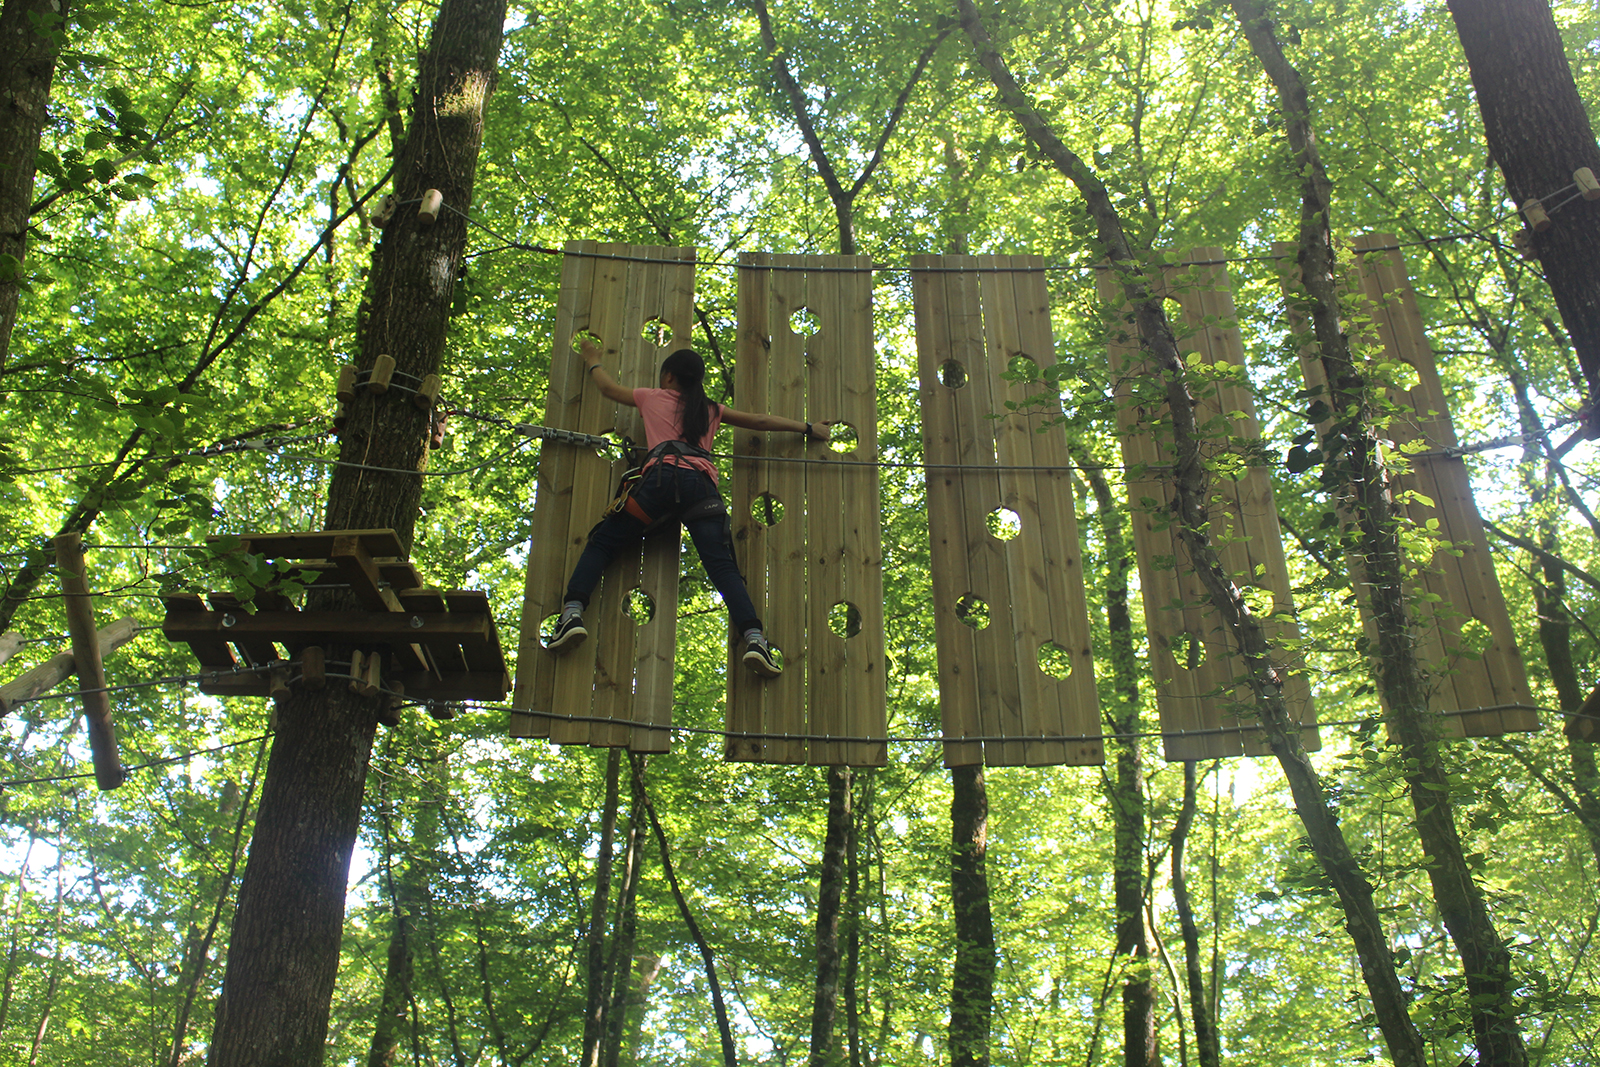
(570, 633)
(761, 658)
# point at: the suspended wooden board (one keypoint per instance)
(807, 534)
(639, 302)
(1010, 618)
(1463, 632)
(1205, 707)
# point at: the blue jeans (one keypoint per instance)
(669, 490)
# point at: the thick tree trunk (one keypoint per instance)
(1358, 471)
(825, 1003)
(1539, 133)
(972, 977)
(285, 948)
(1189, 481)
(1205, 1030)
(622, 995)
(31, 35)
(1125, 793)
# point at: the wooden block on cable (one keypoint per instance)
(638, 301)
(1205, 705)
(1011, 620)
(806, 516)
(1477, 681)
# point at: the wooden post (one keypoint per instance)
(428, 210)
(51, 673)
(382, 373)
(86, 656)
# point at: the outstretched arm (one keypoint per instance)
(746, 420)
(609, 386)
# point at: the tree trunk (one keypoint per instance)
(1539, 133)
(594, 1017)
(1205, 1030)
(1189, 481)
(622, 997)
(284, 954)
(1125, 794)
(825, 1003)
(31, 35)
(1357, 470)
(972, 977)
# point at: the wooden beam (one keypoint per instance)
(392, 628)
(316, 544)
(55, 670)
(86, 656)
(10, 641)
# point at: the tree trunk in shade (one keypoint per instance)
(1539, 133)
(972, 978)
(284, 954)
(31, 35)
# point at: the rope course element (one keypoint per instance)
(164, 761)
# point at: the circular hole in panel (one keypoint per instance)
(952, 374)
(584, 335)
(547, 628)
(804, 322)
(1188, 650)
(656, 332)
(842, 437)
(844, 619)
(1475, 639)
(767, 510)
(972, 611)
(639, 606)
(1022, 368)
(1055, 660)
(1401, 375)
(1003, 524)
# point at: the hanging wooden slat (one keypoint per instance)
(87, 662)
(823, 556)
(1205, 709)
(980, 318)
(1477, 682)
(623, 673)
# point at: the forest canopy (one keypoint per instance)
(195, 260)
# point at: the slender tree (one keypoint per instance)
(285, 948)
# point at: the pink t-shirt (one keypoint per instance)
(659, 409)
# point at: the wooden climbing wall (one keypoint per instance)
(1011, 621)
(1463, 632)
(639, 302)
(1192, 656)
(807, 533)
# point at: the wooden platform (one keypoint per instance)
(1463, 632)
(1205, 706)
(975, 317)
(440, 646)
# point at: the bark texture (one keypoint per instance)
(594, 1017)
(284, 954)
(1539, 133)
(31, 35)
(1355, 466)
(830, 906)
(1208, 1052)
(972, 977)
(1259, 671)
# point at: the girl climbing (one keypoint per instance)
(678, 482)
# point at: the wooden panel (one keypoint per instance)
(1460, 585)
(1200, 694)
(825, 549)
(977, 314)
(316, 544)
(624, 671)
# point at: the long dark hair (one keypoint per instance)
(694, 407)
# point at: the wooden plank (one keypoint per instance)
(213, 653)
(87, 662)
(257, 652)
(746, 704)
(946, 492)
(862, 557)
(356, 566)
(58, 668)
(321, 627)
(422, 599)
(315, 544)
(397, 573)
(548, 566)
(825, 505)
